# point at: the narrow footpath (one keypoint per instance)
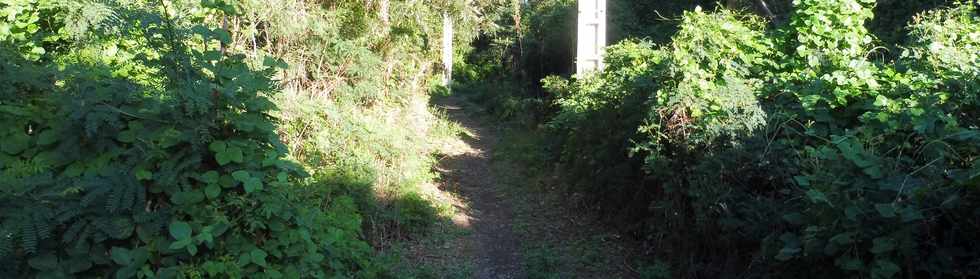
(489, 212)
(507, 221)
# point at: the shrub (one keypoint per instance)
(774, 153)
(880, 196)
(107, 173)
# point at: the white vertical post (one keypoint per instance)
(447, 49)
(591, 35)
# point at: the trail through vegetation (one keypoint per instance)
(467, 171)
(509, 221)
(314, 139)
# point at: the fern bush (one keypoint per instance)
(777, 150)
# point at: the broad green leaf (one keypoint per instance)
(884, 269)
(273, 274)
(15, 143)
(44, 262)
(226, 154)
(817, 197)
(127, 136)
(219, 228)
(222, 158)
(214, 268)
(874, 171)
(802, 180)
(791, 247)
(210, 177)
(787, 253)
(886, 210)
(212, 191)
(241, 175)
(167, 273)
(217, 146)
(253, 184)
(852, 212)
(258, 257)
(882, 101)
(244, 259)
(222, 35)
(235, 154)
(883, 245)
(126, 272)
(205, 236)
(188, 197)
(140, 255)
(843, 238)
(180, 244)
(180, 230)
(75, 169)
(226, 181)
(271, 61)
(78, 264)
(192, 249)
(121, 256)
(47, 137)
(142, 174)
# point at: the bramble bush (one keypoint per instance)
(747, 149)
(135, 144)
(171, 139)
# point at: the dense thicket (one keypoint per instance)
(795, 149)
(748, 147)
(214, 138)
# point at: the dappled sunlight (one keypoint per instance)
(464, 169)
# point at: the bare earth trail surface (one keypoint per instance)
(489, 214)
(506, 221)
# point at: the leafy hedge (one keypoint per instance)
(136, 147)
(745, 149)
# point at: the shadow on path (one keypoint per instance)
(467, 172)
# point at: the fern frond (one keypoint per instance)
(42, 224)
(86, 16)
(114, 201)
(28, 236)
(129, 196)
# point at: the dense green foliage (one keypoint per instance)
(173, 167)
(170, 138)
(744, 147)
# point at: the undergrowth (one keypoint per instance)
(793, 144)
(218, 138)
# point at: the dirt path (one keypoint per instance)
(493, 243)
(510, 217)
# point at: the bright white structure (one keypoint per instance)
(591, 35)
(447, 48)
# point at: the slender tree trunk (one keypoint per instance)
(516, 10)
